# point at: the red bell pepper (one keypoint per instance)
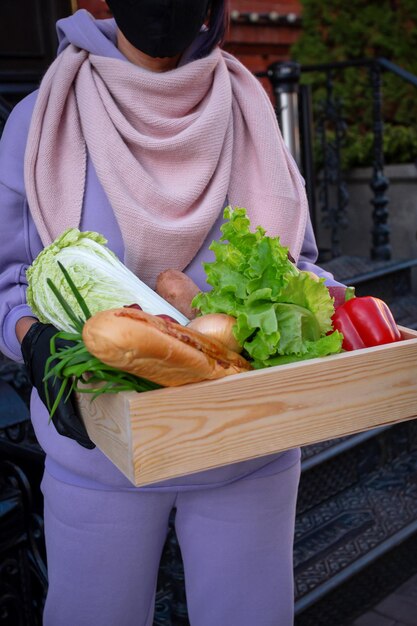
(340, 294)
(364, 322)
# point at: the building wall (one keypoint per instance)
(98, 8)
(261, 31)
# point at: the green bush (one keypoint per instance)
(336, 30)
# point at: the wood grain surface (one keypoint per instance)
(171, 432)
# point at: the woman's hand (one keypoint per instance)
(36, 340)
(23, 325)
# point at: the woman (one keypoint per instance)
(142, 130)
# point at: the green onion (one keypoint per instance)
(83, 304)
(77, 321)
(76, 367)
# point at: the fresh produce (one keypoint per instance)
(159, 349)
(101, 279)
(139, 308)
(218, 326)
(73, 365)
(125, 336)
(113, 349)
(282, 314)
(364, 322)
(340, 294)
(177, 289)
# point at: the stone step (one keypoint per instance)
(333, 507)
(385, 279)
(331, 467)
(404, 310)
(354, 547)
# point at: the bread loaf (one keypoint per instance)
(159, 350)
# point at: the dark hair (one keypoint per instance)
(218, 21)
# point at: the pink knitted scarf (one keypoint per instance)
(167, 148)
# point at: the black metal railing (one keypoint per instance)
(328, 187)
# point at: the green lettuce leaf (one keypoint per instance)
(282, 314)
(329, 344)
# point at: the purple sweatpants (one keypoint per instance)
(104, 547)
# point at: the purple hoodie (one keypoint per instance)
(20, 244)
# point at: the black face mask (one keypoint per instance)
(159, 28)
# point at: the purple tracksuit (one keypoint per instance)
(104, 537)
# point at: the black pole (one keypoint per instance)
(381, 248)
(285, 77)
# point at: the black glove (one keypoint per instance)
(36, 351)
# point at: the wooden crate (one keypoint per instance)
(171, 432)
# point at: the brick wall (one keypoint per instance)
(98, 8)
(261, 31)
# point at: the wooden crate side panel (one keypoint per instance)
(107, 420)
(408, 333)
(183, 430)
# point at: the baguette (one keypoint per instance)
(157, 349)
